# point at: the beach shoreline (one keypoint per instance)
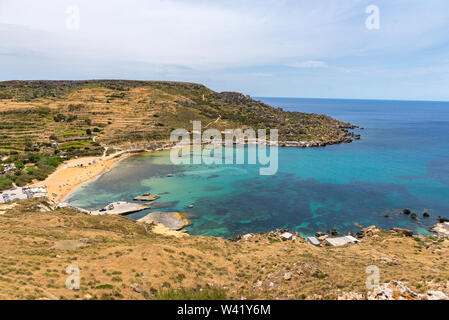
(74, 173)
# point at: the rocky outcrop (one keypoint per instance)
(442, 220)
(171, 220)
(436, 295)
(312, 144)
(405, 232)
(397, 290)
(235, 98)
(146, 197)
(441, 229)
(136, 287)
(394, 290)
(277, 235)
(368, 232)
(389, 261)
(296, 129)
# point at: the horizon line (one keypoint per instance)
(254, 96)
(354, 99)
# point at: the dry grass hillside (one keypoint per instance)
(43, 123)
(121, 259)
(34, 114)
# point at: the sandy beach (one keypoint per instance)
(76, 172)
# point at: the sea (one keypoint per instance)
(401, 161)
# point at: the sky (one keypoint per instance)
(376, 49)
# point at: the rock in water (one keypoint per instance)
(172, 220)
(442, 220)
(414, 216)
(146, 197)
(426, 214)
(406, 211)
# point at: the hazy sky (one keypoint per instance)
(319, 48)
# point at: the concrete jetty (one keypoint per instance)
(120, 208)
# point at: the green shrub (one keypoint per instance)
(105, 286)
(5, 183)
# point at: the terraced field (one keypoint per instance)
(65, 119)
(126, 113)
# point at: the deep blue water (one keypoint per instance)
(401, 162)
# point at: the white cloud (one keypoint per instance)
(211, 35)
(225, 40)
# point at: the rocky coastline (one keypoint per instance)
(440, 232)
(349, 137)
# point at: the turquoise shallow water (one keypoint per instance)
(401, 162)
